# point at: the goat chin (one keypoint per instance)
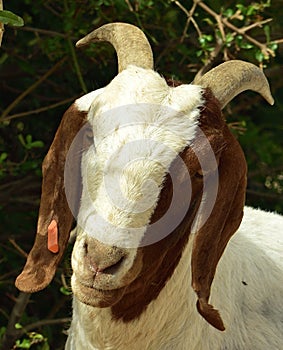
(247, 288)
(96, 297)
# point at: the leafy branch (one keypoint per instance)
(228, 33)
(30, 89)
(7, 17)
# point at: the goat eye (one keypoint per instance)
(199, 174)
(88, 136)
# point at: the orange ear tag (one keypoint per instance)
(52, 242)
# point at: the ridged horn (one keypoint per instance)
(233, 77)
(130, 43)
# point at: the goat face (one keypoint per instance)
(151, 145)
(137, 134)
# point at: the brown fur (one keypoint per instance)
(41, 263)
(160, 259)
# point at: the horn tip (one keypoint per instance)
(80, 43)
(270, 100)
(268, 97)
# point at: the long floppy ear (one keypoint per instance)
(210, 238)
(55, 217)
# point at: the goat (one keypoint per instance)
(144, 268)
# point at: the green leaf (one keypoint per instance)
(8, 17)
(37, 336)
(45, 346)
(251, 10)
(36, 144)
(25, 344)
(3, 58)
(2, 331)
(273, 46)
(243, 44)
(18, 326)
(65, 291)
(3, 156)
(22, 140)
(241, 8)
(199, 53)
(259, 56)
(266, 29)
(208, 21)
(29, 139)
(229, 38)
(229, 13)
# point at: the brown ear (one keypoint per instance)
(212, 237)
(42, 262)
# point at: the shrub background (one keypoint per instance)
(41, 73)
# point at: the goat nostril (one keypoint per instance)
(113, 268)
(106, 268)
(85, 247)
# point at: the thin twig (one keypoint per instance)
(74, 56)
(263, 47)
(190, 18)
(31, 88)
(182, 8)
(38, 324)
(12, 333)
(45, 32)
(196, 27)
(64, 283)
(264, 194)
(1, 24)
(76, 66)
(278, 41)
(39, 110)
(14, 185)
(52, 10)
(4, 278)
(129, 5)
(254, 25)
(18, 248)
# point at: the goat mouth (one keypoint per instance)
(96, 297)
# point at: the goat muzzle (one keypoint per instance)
(101, 258)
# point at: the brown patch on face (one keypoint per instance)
(160, 259)
(41, 263)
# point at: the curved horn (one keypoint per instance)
(130, 43)
(233, 77)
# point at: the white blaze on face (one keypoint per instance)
(140, 125)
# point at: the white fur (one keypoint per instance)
(252, 312)
(140, 125)
(83, 103)
(138, 109)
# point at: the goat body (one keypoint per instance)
(248, 288)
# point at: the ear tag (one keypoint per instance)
(52, 242)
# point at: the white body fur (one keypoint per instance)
(247, 288)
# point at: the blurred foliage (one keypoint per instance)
(41, 72)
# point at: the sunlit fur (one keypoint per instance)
(247, 287)
(140, 125)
